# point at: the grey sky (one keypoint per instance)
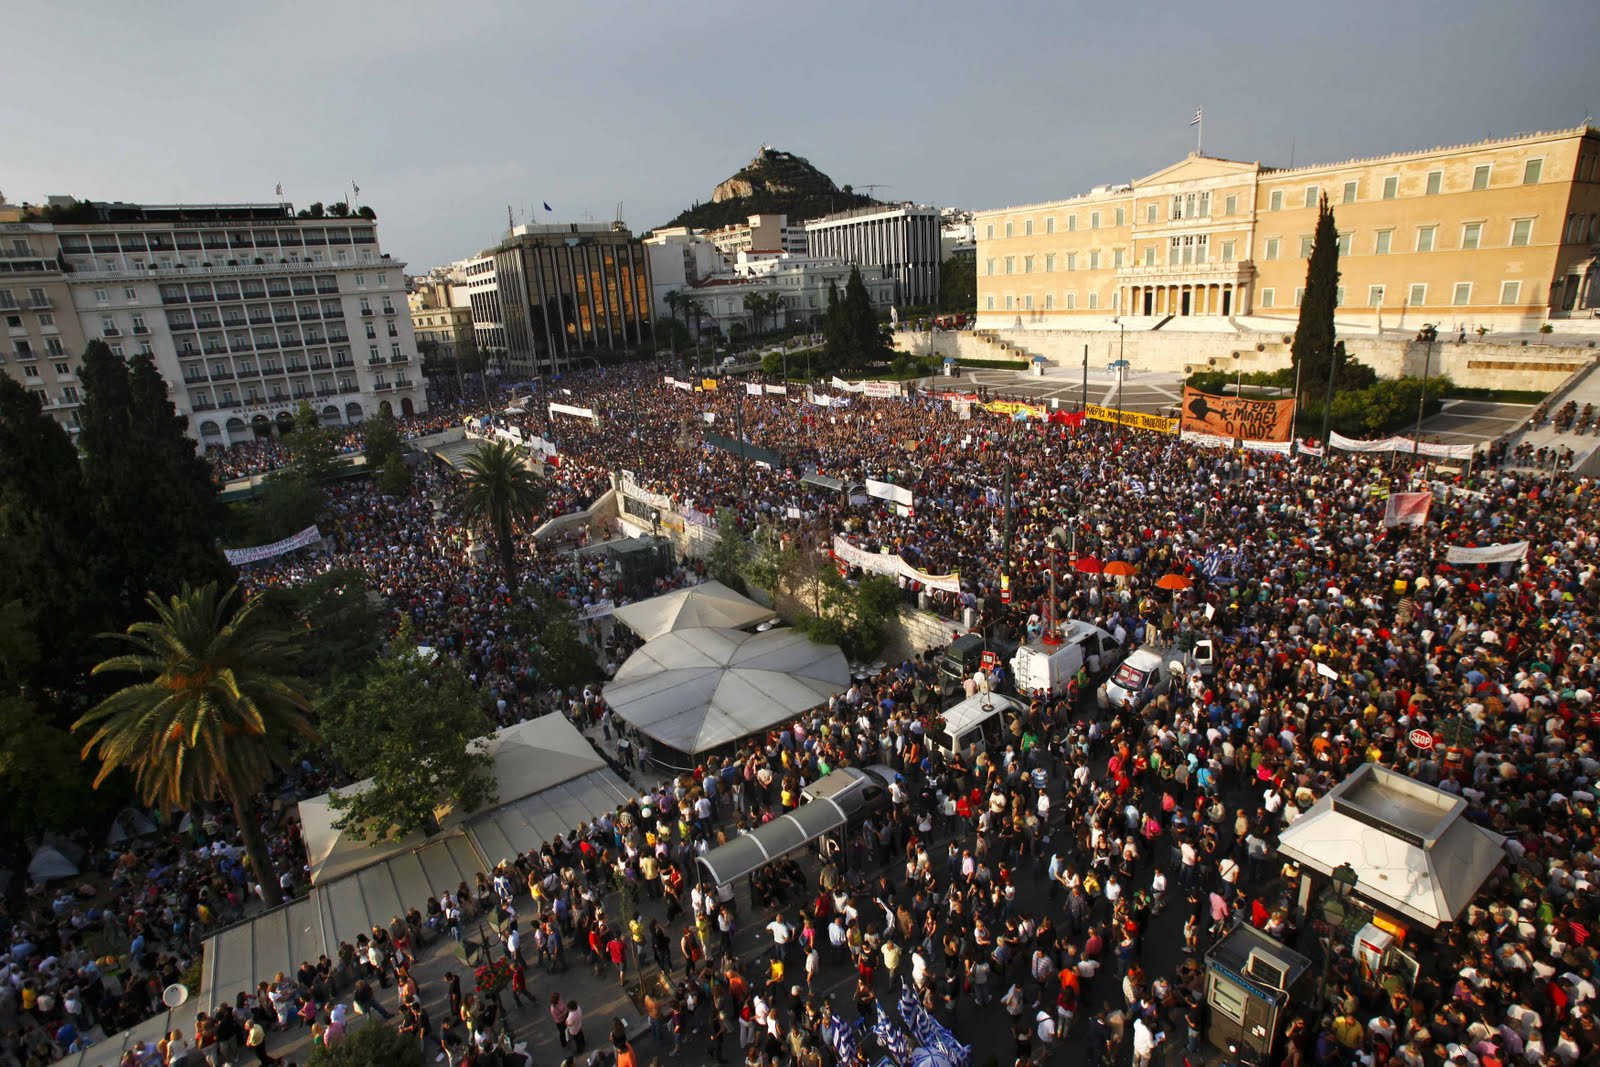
(446, 112)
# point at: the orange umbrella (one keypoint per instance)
(1173, 581)
(1120, 568)
(1088, 565)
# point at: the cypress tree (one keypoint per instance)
(1314, 347)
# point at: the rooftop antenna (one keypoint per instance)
(875, 185)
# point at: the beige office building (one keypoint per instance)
(1500, 234)
(44, 340)
(441, 316)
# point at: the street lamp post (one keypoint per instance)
(1429, 334)
(1344, 880)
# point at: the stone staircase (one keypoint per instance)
(1583, 390)
(1002, 348)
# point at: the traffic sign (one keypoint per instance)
(989, 660)
(1421, 739)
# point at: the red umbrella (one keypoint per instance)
(1120, 568)
(1087, 564)
(1173, 582)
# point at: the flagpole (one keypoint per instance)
(1200, 131)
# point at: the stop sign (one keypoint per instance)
(1421, 739)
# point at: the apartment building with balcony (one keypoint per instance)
(43, 341)
(246, 309)
(1501, 233)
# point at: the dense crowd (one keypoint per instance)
(1336, 636)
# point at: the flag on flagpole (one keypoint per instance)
(547, 206)
(1196, 120)
(280, 189)
(356, 187)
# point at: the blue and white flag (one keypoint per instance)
(894, 1040)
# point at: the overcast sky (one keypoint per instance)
(444, 113)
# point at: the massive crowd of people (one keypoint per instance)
(1020, 887)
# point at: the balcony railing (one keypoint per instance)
(342, 364)
(266, 344)
(321, 364)
(180, 326)
(376, 361)
(41, 303)
(216, 350)
(401, 358)
(141, 330)
(366, 313)
(382, 387)
(238, 348)
(296, 368)
(203, 405)
(403, 383)
(222, 375)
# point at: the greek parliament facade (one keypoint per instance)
(548, 294)
(903, 240)
(246, 310)
(1500, 234)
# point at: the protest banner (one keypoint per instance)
(1236, 416)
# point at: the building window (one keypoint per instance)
(988, 267)
(1050, 224)
(1230, 206)
(988, 232)
(130, 294)
(1510, 292)
(1272, 248)
(1299, 294)
(1027, 302)
(1122, 216)
(1425, 236)
(1072, 301)
(1480, 176)
(1470, 235)
(1008, 229)
(1521, 232)
(1462, 294)
(1375, 296)
(1011, 302)
(1312, 192)
(1094, 220)
(1072, 223)
(1177, 205)
(1149, 255)
(1116, 259)
(1027, 228)
(1345, 240)
(1419, 294)
(1150, 214)
(1050, 263)
(1268, 297)
(1350, 192)
(1094, 301)
(1072, 261)
(1305, 246)
(1011, 264)
(1227, 251)
(1380, 245)
(1049, 301)
(361, 281)
(1435, 182)
(1174, 251)
(1531, 171)
(988, 301)
(1391, 187)
(1027, 264)
(1094, 260)
(1277, 200)
(100, 296)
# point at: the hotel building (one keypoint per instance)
(903, 240)
(1500, 234)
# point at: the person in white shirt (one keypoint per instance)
(1144, 1042)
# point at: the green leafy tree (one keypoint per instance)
(502, 494)
(381, 440)
(49, 553)
(343, 626)
(43, 783)
(394, 479)
(372, 1045)
(215, 715)
(312, 450)
(958, 285)
(560, 656)
(732, 552)
(869, 339)
(153, 499)
(1314, 346)
(286, 503)
(409, 725)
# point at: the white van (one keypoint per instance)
(1149, 670)
(974, 725)
(1039, 667)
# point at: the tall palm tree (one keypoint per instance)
(501, 491)
(215, 714)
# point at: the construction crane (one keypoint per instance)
(870, 188)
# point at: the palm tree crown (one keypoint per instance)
(215, 714)
(502, 492)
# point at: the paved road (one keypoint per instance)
(1474, 421)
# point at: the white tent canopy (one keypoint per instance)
(55, 859)
(694, 689)
(708, 604)
(1412, 851)
(529, 758)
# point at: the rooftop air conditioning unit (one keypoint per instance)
(1267, 969)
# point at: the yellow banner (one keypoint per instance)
(708, 384)
(1137, 419)
(1012, 407)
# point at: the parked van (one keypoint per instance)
(974, 725)
(1149, 670)
(1039, 667)
(963, 656)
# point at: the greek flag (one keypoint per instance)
(842, 1037)
(893, 1039)
(1222, 566)
(1136, 487)
(929, 1033)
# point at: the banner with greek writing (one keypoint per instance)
(889, 491)
(1510, 553)
(656, 500)
(1407, 509)
(568, 409)
(846, 387)
(708, 384)
(1137, 419)
(240, 556)
(687, 387)
(1015, 408)
(598, 610)
(1308, 450)
(1350, 444)
(752, 389)
(1280, 448)
(1403, 445)
(1236, 416)
(1204, 440)
(781, 390)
